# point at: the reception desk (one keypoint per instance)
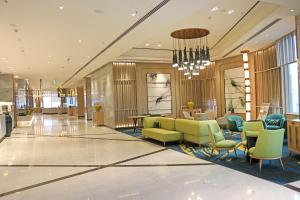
(293, 130)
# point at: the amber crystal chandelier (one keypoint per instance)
(190, 50)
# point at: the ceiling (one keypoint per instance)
(62, 41)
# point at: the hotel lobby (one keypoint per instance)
(156, 99)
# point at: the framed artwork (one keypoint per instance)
(159, 93)
(234, 82)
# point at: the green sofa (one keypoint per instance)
(193, 131)
(165, 133)
(171, 130)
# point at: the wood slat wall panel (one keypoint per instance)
(124, 75)
(200, 89)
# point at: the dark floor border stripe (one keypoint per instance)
(167, 165)
(143, 165)
(89, 138)
(132, 27)
(125, 140)
(52, 165)
(24, 134)
(1, 140)
(292, 187)
(77, 174)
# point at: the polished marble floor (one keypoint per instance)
(61, 157)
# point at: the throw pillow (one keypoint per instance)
(274, 122)
(156, 125)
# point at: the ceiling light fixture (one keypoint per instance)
(79, 41)
(214, 9)
(147, 44)
(190, 50)
(61, 7)
(159, 44)
(292, 10)
(229, 12)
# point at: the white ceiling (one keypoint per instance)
(40, 40)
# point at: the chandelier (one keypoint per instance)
(190, 50)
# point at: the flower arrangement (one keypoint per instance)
(190, 104)
(97, 107)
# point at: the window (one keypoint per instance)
(286, 50)
(51, 100)
(291, 88)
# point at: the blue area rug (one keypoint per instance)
(272, 173)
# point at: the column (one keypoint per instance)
(88, 98)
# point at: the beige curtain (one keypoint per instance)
(125, 98)
(268, 80)
(200, 89)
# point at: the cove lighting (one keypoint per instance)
(247, 85)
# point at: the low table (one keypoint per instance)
(135, 120)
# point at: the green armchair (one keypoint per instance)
(250, 128)
(268, 146)
(235, 123)
(275, 121)
(217, 139)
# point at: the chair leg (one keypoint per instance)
(281, 163)
(260, 165)
(250, 160)
(235, 152)
(212, 151)
(164, 144)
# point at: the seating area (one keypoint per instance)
(255, 139)
(150, 99)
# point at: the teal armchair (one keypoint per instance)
(268, 146)
(235, 123)
(275, 121)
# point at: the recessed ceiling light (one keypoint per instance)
(214, 9)
(147, 44)
(61, 7)
(16, 76)
(229, 12)
(292, 10)
(98, 11)
(79, 41)
(88, 56)
(48, 62)
(159, 44)
(134, 13)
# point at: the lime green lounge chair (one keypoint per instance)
(252, 128)
(217, 139)
(268, 146)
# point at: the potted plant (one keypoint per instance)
(97, 107)
(190, 104)
(98, 118)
